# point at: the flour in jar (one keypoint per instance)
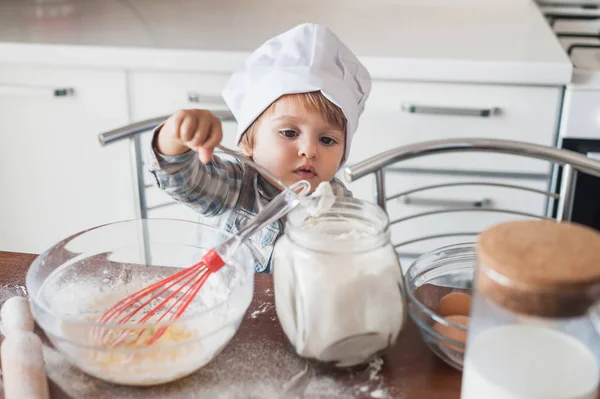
(323, 200)
(338, 302)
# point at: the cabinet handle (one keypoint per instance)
(64, 92)
(8, 89)
(479, 203)
(594, 155)
(198, 98)
(438, 110)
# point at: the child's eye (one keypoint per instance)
(328, 140)
(289, 133)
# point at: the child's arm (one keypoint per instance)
(210, 186)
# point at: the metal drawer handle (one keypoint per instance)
(8, 89)
(479, 203)
(594, 155)
(438, 110)
(64, 92)
(197, 98)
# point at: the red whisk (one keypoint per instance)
(168, 298)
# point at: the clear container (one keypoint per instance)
(75, 281)
(430, 279)
(339, 291)
(532, 331)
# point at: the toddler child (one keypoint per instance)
(297, 100)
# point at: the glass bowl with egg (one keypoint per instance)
(76, 280)
(438, 286)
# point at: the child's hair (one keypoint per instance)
(314, 101)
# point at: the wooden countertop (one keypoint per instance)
(259, 352)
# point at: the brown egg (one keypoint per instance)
(455, 303)
(452, 332)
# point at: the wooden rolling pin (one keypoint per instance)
(23, 367)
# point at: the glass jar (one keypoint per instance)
(339, 291)
(533, 331)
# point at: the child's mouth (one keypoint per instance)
(305, 172)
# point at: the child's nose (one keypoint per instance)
(308, 148)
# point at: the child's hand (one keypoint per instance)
(195, 129)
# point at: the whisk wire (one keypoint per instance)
(197, 270)
(107, 336)
(183, 303)
(189, 280)
(113, 312)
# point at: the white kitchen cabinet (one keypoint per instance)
(399, 113)
(56, 179)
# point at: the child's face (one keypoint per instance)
(295, 144)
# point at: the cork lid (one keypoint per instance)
(542, 268)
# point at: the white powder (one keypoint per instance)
(262, 308)
(375, 383)
(352, 234)
(188, 345)
(325, 200)
(325, 387)
(10, 290)
(375, 368)
(260, 369)
(378, 393)
(525, 361)
(338, 305)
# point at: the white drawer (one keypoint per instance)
(161, 93)
(447, 110)
(455, 197)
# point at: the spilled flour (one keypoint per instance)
(257, 369)
(262, 308)
(374, 388)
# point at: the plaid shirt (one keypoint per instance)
(226, 194)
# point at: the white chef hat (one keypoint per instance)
(306, 58)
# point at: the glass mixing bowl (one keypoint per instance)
(75, 281)
(428, 279)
